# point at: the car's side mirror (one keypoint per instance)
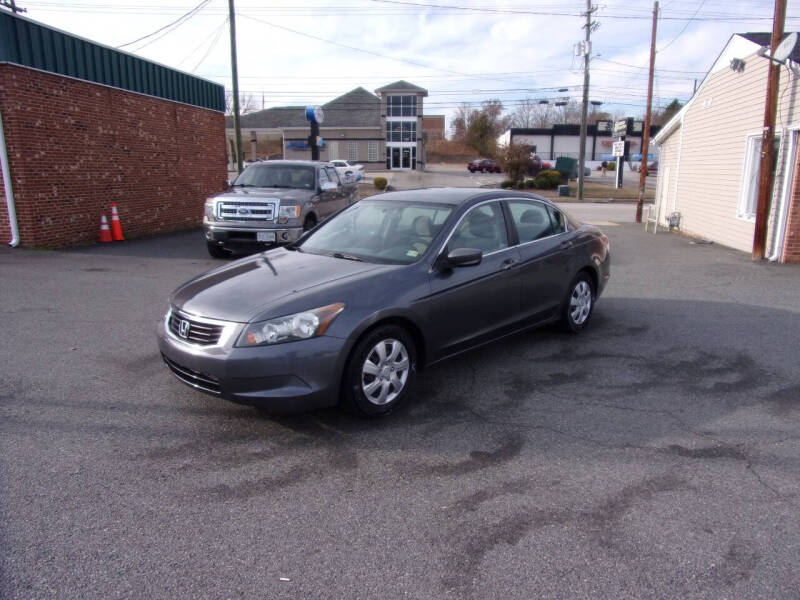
(464, 257)
(328, 186)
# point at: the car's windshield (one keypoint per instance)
(380, 231)
(279, 176)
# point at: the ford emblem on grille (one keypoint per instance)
(243, 212)
(183, 328)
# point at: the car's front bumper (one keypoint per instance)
(286, 378)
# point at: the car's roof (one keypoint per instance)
(454, 196)
(294, 163)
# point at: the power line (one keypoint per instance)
(680, 33)
(177, 23)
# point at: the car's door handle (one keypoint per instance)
(508, 263)
(565, 244)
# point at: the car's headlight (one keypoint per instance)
(289, 212)
(210, 210)
(299, 326)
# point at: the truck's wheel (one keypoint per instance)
(309, 223)
(217, 251)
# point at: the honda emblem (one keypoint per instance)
(183, 328)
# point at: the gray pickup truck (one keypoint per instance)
(272, 203)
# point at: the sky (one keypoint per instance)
(300, 52)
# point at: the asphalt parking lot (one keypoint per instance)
(655, 455)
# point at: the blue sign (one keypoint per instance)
(297, 145)
(639, 156)
(314, 113)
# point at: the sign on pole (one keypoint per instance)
(620, 128)
(618, 149)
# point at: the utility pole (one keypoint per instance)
(646, 132)
(587, 51)
(765, 174)
(235, 77)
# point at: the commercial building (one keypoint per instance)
(553, 142)
(383, 130)
(84, 125)
(710, 153)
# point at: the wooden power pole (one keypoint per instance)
(235, 85)
(766, 174)
(646, 132)
(587, 51)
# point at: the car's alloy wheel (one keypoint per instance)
(380, 371)
(579, 304)
(385, 372)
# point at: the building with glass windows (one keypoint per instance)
(383, 130)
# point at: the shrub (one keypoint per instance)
(548, 180)
(612, 166)
(380, 182)
(507, 184)
(530, 183)
(514, 158)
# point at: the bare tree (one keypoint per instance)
(570, 112)
(530, 113)
(461, 121)
(247, 103)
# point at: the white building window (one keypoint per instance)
(352, 151)
(333, 150)
(372, 151)
(748, 191)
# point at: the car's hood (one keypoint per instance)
(245, 289)
(288, 195)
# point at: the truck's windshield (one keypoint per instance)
(275, 175)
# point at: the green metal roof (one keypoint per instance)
(30, 44)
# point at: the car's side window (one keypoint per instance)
(323, 176)
(332, 174)
(557, 217)
(532, 220)
(483, 228)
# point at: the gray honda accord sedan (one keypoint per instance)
(386, 286)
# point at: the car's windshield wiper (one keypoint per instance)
(243, 185)
(346, 256)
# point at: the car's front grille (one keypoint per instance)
(194, 331)
(196, 379)
(250, 210)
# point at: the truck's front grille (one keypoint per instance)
(250, 210)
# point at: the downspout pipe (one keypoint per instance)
(12, 211)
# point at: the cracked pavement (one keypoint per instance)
(655, 455)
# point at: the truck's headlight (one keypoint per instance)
(210, 210)
(290, 212)
(299, 326)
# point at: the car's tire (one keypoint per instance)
(579, 304)
(217, 251)
(381, 369)
(309, 223)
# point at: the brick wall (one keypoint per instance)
(74, 147)
(791, 244)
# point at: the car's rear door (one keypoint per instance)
(471, 304)
(545, 247)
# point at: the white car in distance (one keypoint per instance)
(348, 171)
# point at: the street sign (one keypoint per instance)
(620, 128)
(618, 149)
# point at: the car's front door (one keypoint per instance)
(471, 304)
(545, 248)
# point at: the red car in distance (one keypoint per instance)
(484, 165)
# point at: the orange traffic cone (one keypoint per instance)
(105, 233)
(116, 226)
